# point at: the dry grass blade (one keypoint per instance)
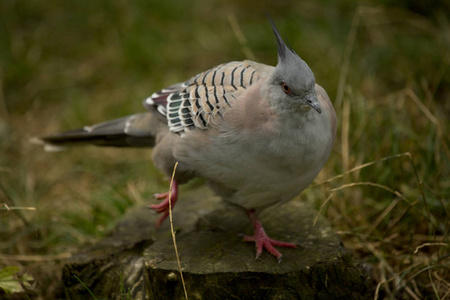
(347, 55)
(173, 232)
(377, 289)
(397, 193)
(345, 134)
(384, 265)
(132, 189)
(381, 217)
(321, 208)
(407, 154)
(411, 293)
(4, 193)
(446, 294)
(240, 36)
(443, 282)
(345, 149)
(5, 206)
(35, 258)
(430, 244)
(433, 285)
(434, 120)
(425, 269)
(439, 197)
(3, 105)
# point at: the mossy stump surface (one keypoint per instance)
(137, 261)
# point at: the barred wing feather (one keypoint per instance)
(198, 102)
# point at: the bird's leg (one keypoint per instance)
(163, 207)
(261, 238)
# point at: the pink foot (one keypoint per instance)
(163, 207)
(262, 240)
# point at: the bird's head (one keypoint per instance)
(292, 76)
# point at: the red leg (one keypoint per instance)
(262, 240)
(163, 207)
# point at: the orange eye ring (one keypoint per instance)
(286, 88)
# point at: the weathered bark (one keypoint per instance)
(139, 261)
(217, 264)
(113, 268)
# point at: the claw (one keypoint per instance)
(163, 207)
(262, 240)
(161, 196)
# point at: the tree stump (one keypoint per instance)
(137, 261)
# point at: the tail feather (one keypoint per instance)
(131, 131)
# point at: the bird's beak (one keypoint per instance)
(312, 101)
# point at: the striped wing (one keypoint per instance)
(196, 103)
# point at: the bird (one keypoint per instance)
(258, 135)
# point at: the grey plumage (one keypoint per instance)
(258, 134)
(292, 70)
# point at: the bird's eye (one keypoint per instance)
(286, 88)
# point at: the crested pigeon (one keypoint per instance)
(258, 134)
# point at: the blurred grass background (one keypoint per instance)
(385, 65)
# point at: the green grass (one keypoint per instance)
(74, 63)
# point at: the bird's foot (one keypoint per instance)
(164, 206)
(262, 240)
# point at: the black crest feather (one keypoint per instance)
(281, 45)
